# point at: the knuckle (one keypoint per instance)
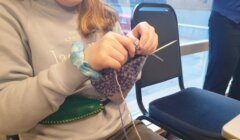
(145, 22)
(128, 39)
(109, 34)
(153, 29)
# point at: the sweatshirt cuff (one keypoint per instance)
(69, 77)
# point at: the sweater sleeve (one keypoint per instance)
(25, 98)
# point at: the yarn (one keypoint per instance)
(127, 76)
(119, 82)
(124, 101)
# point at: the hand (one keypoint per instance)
(146, 37)
(111, 51)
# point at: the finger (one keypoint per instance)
(117, 55)
(153, 45)
(133, 38)
(127, 43)
(144, 31)
(155, 42)
(149, 42)
(112, 63)
(120, 48)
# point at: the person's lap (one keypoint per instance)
(144, 132)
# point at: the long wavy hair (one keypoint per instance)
(96, 15)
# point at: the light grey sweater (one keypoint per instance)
(36, 74)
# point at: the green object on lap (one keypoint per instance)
(74, 108)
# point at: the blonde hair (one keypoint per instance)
(95, 15)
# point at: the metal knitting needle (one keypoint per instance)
(164, 46)
(159, 58)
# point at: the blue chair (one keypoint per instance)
(191, 113)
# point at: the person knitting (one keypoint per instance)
(51, 50)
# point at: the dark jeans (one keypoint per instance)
(224, 56)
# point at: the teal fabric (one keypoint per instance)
(77, 59)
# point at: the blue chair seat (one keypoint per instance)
(193, 113)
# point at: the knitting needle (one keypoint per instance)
(159, 58)
(164, 46)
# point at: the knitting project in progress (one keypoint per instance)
(119, 82)
(111, 82)
(127, 76)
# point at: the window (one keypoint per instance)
(193, 27)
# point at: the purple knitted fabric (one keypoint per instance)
(127, 76)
